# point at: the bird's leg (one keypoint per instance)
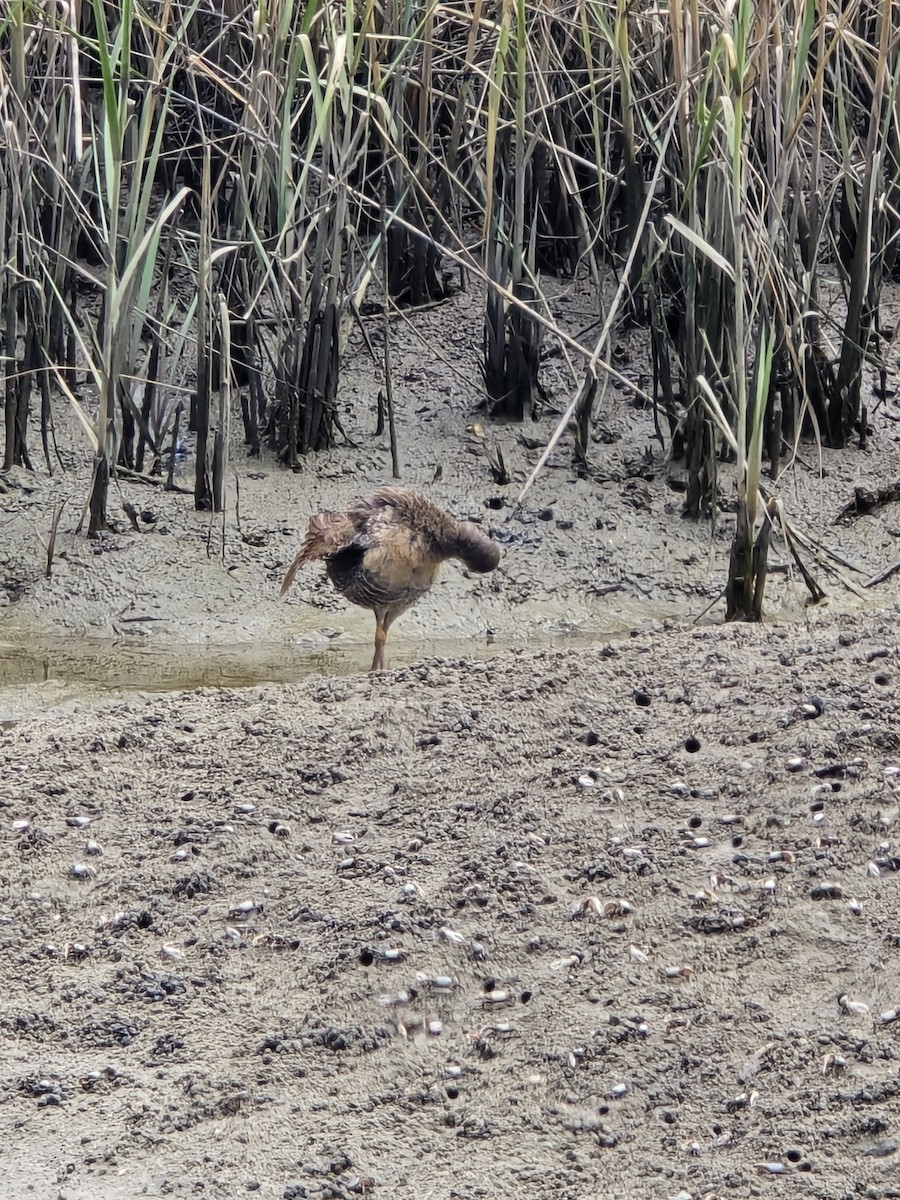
(380, 639)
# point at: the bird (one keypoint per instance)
(385, 550)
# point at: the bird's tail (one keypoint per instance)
(326, 534)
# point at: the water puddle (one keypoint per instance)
(41, 673)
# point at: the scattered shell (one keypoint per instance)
(242, 910)
(180, 855)
(535, 1080)
(398, 999)
(827, 891)
(93, 848)
(795, 764)
(452, 936)
(814, 707)
(169, 952)
(244, 810)
(888, 1017)
(873, 870)
(636, 954)
(855, 1007)
(833, 1064)
(20, 826)
(76, 951)
(618, 1092)
(586, 781)
(343, 837)
(785, 856)
(279, 829)
(562, 964)
(81, 870)
(434, 1028)
(614, 907)
(771, 1168)
(697, 843)
(498, 996)
(730, 819)
(78, 822)
(683, 972)
(393, 954)
(854, 905)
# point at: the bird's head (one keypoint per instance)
(476, 549)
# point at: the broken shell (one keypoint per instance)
(397, 1000)
(168, 951)
(82, 871)
(76, 951)
(561, 964)
(771, 1168)
(855, 1007)
(785, 856)
(617, 1092)
(637, 955)
(180, 854)
(887, 1018)
(78, 822)
(873, 870)
(20, 826)
(586, 781)
(795, 764)
(453, 1071)
(392, 954)
(833, 1064)
(768, 884)
(697, 843)
(684, 972)
(451, 935)
(93, 848)
(242, 910)
(827, 891)
(730, 819)
(279, 829)
(854, 905)
(434, 1028)
(343, 837)
(245, 810)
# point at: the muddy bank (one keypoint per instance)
(594, 555)
(564, 925)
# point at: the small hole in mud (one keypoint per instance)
(603, 1110)
(642, 699)
(794, 1156)
(836, 787)
(460, 902)
(591, 738)
(695, 822)
(526, 996)
(366, 958)
(817, 806)
(804, 1166)
(737, 840)
(882, 679)
(692, 745)
(481, 901)
(490, 984)
(495, 502)
(753, 737)
(452, 1093)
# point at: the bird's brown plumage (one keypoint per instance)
(385, 551)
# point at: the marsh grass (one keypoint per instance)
(209, 197)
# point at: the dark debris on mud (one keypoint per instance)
(620, 922)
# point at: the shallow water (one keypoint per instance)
(38, 673)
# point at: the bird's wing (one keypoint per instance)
(328, 533)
